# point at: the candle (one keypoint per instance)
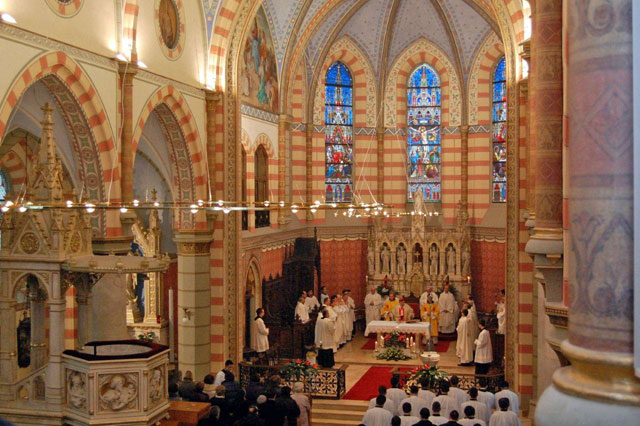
(376, 347)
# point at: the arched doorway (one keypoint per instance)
(252, 299)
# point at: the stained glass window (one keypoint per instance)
(423, 134)
(499, 135)
(338, 120)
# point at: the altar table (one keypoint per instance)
(417, 328)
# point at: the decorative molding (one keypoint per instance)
(65, 8)
(479, 129)
(194, 248)
(258, 113)
(163, 81)
(299, 127)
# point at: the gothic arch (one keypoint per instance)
(395, 99)
(480, 80)
(264, 140)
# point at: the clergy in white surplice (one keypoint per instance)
(351, 317)
(447, 305)
(325, 339)
(259, 333)
(473, 316)
(372, 305)
(341, 311)
(504, 416)
(428, 292)
(464, 345)
(311, 302)
(301, 313)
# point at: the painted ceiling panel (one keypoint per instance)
(313, 9)
(282, 15)
(415, 19)
(210, 11)
(469, 27)
(324, 31)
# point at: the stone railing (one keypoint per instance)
(327, 383)
(467, 381)
(31, 389)
(121, 382)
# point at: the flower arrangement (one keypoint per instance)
(395, 339)
(429, 374)
(394, 353)
(298, 368)
(384, 289)
(147, 336)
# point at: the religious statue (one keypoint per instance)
(466, 260)
(371, 260)
(417, 255)
(451, 260)
(433, 257)
(168, 22)
(418, 202)
(156, 388)
(401, 257)
(385, 258)
(76, 392)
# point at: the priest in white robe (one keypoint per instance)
(447, 305)
(377, 416)
(325, 340)
(372, 305)
(301, 313)
(311, 302)
(473, 316)
(425, 295)
(484, 351)
(259, 333)
(351, 312)
(464, 345)
(341, 319)
(504, 416)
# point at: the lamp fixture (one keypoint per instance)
(5, 17)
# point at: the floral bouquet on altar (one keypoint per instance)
(395, 339)
(394, 353)
(384, 289)
(429, 374)
(298, 368)
(147, 336)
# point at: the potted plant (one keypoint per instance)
(298, 369)
(147, 336)
(393, 353)
(429, 374)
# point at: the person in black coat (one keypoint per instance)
(270, 411)
(254, 388)
(288, 406)
(221, 402)
(249, 417)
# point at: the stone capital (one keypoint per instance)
(193, 243)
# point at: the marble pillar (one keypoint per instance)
(85, 314)
(599, 387)
(126, 73)
(194, 302)
(284, 127)
(8, 345)
(212, 101)
(54, 392)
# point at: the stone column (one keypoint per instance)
(380, 175)
(546, 113)
(464, 169)
(284, 126)
(38, 337)
(54, 376)
(8, 346)
(212, 100)
(309, 169)
(126, 73)
(599, 387)
(85, 310)
(194, 302)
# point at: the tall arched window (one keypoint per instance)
(338, 120)
(423, 134)
(499, 135)
(262, 186)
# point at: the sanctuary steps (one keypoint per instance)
(327, 412)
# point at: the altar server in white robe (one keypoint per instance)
(425, 295)
(301, 313)
(351, 318)
(447, 305)
(372, 305)
(473, 316)
(377, 416)
(416, 402)
(484, 350)
(260, 333)
(341, 319)
(311, 302)
(504, 417)
(505, 392)
(464, 345)
(325, 339)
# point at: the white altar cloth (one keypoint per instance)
(399, 327)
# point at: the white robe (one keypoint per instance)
(425, 295)
(408, 420)
(311, 303)
(484, 352)
(259, 336)
(472, 422)
(377, 416)
(372, 312)
(351, 316)
(473, 316)
(514, 401)
(459, 395)
(301, 313)
(397, 395)
(482, 412)
(389, 405)
(447, 405)
(341, 323)
(502, 318)
(447, 322)
(427, 396)
(417, 404)
(488, 399)
(464, 345)
(438, 420)
(504, 418)
(325, 334)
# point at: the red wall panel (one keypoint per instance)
(487, 272)
(344, 265)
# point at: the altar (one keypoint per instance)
(383, 327)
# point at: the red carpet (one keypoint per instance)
(367, 387)
(442, 346)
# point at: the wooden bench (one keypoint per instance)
(187, 413)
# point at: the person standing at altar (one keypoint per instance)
(351, 313)
(260, 333)
(372, 304)
(301, 314)
(402, 311)
(323, 295)
(464, 345)
(430, 312)
(428, 292)
(388, 306)
(447, 305)
(325, 340)
(341, 319)
(311, 302)
(484, 351)
(473, 316)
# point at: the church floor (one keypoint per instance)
(360, 360)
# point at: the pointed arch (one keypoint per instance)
(479, 88)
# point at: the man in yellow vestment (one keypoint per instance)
(387, 308)
(430, 312)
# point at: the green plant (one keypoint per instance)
(147, 336)
(395, 339)
(298, 368)
(429, 374)
(394, 353)
(384, 289)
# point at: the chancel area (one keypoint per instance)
(319, 212)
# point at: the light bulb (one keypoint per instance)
(226, 211)
(136, 203)
(69, 203)
(121, 57)
(22, 209)
(281, 203)
(294, 209)
(266, 203)
(90, 207)
(334, 205)
(9, 203)
(4, 209)
(317, 202)
(8, 18)
(142, 64)
(200, 203)
(313, 210)
(123, 209)
(194, 208)
(220, 203)
(156, 204)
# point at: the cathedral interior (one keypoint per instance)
(167, 167)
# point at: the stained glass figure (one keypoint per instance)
(338, 120)
(423, 134)
(499, 135)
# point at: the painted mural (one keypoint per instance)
(258, 68)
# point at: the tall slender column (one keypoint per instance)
(284, 125)
(380, 175)
(54, 378)
(309, 168)
(38, 337)
(8, 346)
(194, 302)
(126, 72)
(85, 314)
(546, 112)
(600, 386)
(212, 100)
(464, 161)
